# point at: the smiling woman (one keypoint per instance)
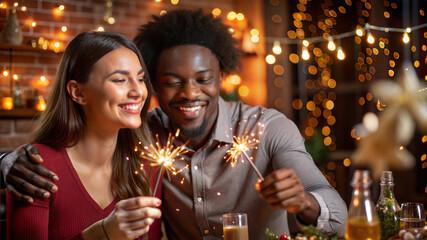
(87, 136)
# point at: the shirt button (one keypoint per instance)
(199, 199)
(196, 167)
(206, 231)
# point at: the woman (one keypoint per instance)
(87, 136)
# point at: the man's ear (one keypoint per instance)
(222, 76)
(75, 91)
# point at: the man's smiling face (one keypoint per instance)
(188, 81)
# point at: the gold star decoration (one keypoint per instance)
(406, 101)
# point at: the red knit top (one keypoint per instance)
(67, 212)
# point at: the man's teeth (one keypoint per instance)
(190, 109)
(131, 107)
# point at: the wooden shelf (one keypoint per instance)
(18, 113)
(22, 47)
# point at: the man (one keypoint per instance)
(188, 54)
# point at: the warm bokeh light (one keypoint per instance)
(33, 23)
(331, 45)
(231, 16)
(64, 28)
(240, 16)
(305, 54)
(405, 38)
(254, 38)
(7, 103)
(216, 12)
(15, 77)
(23, 8)
(41, 105)
(340, 53)
(5, 73)
(347, 162)
(359, 31)
(326, 131)
(174, 2)
(254, 31)
(270, 59)
(100, 29)
(243, 91)
(370, 38)
(276, 48)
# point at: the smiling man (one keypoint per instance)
(188, 54)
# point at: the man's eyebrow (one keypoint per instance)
(124, 72)
(177, 75)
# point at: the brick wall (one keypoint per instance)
(78, 16)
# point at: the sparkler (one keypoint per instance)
(239, 147)
(164, 156)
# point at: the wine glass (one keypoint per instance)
(412, 215)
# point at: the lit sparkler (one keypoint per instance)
(164, 156)
(239, 147)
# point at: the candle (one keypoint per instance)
(7, 103)
(41, 105)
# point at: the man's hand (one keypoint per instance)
(23, 174)
(283, 189)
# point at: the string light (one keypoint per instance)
(270, 59)
(331, 44)
(370, 38)
(305, 54)
(276, 48)
(340, 53)
(405, 38)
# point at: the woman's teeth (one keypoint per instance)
(130, 107)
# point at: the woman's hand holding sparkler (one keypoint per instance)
(283, 189)
(132, 217)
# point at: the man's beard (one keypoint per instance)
(194, 133)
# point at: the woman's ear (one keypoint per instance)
(75, 91)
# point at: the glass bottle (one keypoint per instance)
(18, 96)
(363, 222)
(387, 207)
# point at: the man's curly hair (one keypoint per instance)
(184, 27)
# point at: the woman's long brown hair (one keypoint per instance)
(62, 124)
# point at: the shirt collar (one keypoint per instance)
(223, 131)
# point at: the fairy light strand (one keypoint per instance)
(343, 35)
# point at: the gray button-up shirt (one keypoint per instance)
(195, 199)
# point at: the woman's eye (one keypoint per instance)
(141, 79)
(118, 80)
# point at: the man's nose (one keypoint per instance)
(191, 90)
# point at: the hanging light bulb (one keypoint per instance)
(270, 59)
(305, 54)
(370, 38)
(331, 44)
(340, 53)
(405, 37)
(305, 43)
(276, 48)
(359, 31)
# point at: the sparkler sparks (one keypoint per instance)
(164, 156)
(239, 147)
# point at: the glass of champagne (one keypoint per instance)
(412, 215)
(235, 226)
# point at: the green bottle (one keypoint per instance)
(387, 207)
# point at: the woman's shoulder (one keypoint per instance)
(50, 155)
